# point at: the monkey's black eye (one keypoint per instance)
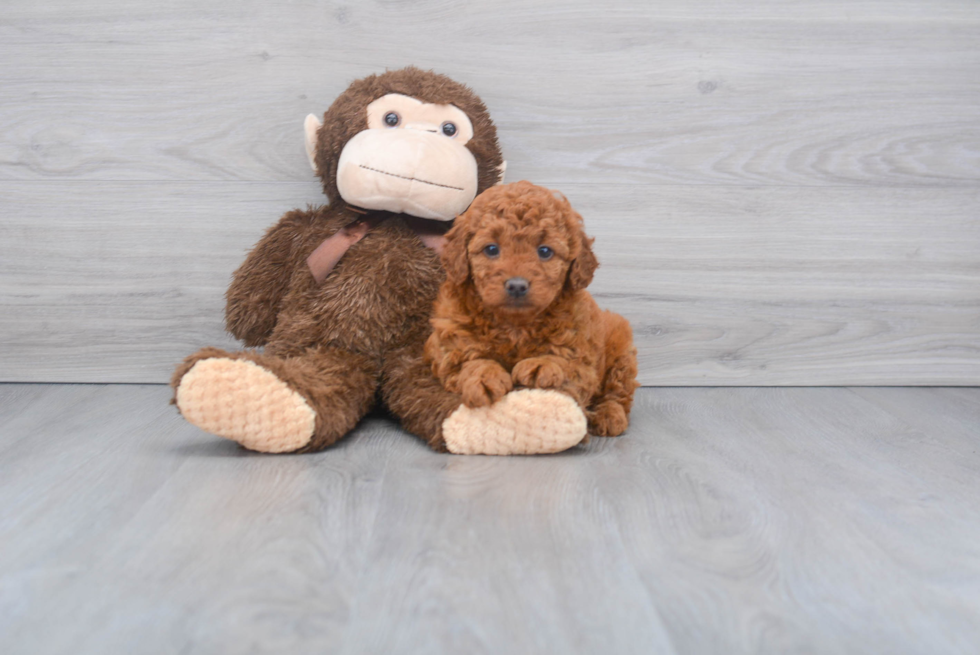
(491, 250)
(545, 253)
(449, 129)
(392, 119)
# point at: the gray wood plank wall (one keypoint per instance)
(782, 193)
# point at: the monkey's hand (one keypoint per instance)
(262, 281)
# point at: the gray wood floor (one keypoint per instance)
(737, 520)
(782, 192)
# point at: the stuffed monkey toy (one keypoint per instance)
(340, 295)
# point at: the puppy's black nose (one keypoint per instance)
(516, 287)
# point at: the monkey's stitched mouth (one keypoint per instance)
(411, 179)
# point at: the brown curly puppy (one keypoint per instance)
(514, 310)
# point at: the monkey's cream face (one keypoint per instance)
(411, 159)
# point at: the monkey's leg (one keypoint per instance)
(609, 411)
(276, 404)
(524, 422)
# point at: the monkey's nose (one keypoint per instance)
(421, 126)
(516, 287)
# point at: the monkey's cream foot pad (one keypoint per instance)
(239, 400)
(524, 422)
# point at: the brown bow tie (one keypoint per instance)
(326, 256)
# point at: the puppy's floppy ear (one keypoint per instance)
(583, 266)
(455, 258)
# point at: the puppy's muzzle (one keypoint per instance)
(517, 287)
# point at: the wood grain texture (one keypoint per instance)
(634, 92)
(739, 286)
(783, 194)
(727, 520)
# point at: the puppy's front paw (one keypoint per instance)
(538, 373)
(483, 382)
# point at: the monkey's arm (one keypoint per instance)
(260, 283)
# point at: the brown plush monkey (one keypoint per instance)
(340, 296)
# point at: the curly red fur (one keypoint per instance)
(486, 341)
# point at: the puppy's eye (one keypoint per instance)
(449, 129)
(392, 119)
(491, 250)
(545, 253)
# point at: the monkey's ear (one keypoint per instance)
(583, 267)
(455, 258)
(503, 171)
(310, 127)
